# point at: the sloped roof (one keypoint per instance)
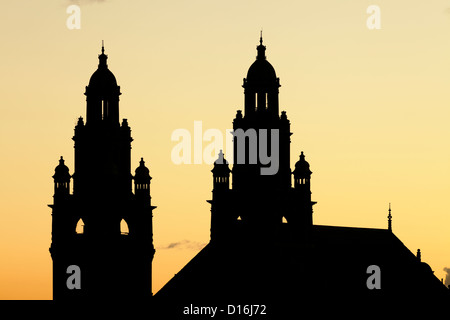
(332, 264)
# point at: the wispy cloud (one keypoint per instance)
(184, 244)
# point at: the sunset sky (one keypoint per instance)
(369, 108)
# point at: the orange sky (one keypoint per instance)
(370, 109)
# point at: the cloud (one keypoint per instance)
(184, 244)
(447, 277)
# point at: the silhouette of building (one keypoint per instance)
(264, 247)
(261, 200)
(102, 227)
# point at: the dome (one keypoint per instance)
(102, 81)
(221, 166)
(142, 174)
(61, 172)
(221, 159)
(425, 267)
(261, 71)
(302, 167)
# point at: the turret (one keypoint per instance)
(302, 174)
(302, 215)
(221, 173)
(261, 86)
(61, 179)
(142, 182)
(102, 94)
(117, 223)
(222, 218)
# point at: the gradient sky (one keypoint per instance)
(370, 109)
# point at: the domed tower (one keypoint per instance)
(302, 215)
(114, 264)
(102, 94)
(222, 215)
(302, 174)
(261, 86)
(261, 169)
(142, 182)
(221, 173)
(62, 180)
(262, 193)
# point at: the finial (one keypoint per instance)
(102, 57)
(220, 158)
(419, 255)
(261, 49)
(389, 218)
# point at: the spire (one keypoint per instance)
(389, 218)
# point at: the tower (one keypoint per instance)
(261, 194)
(113, 264)
(220, 208)
(255, 254)
(267, 133)
(302, 196)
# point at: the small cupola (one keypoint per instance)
(142, 178)
(221, 172)
(62, 178)
(302, 173)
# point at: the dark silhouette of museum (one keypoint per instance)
(264, 247)
(115, 264)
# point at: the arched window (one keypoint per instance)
(124, 227)
(79, 229)
(284, 220)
